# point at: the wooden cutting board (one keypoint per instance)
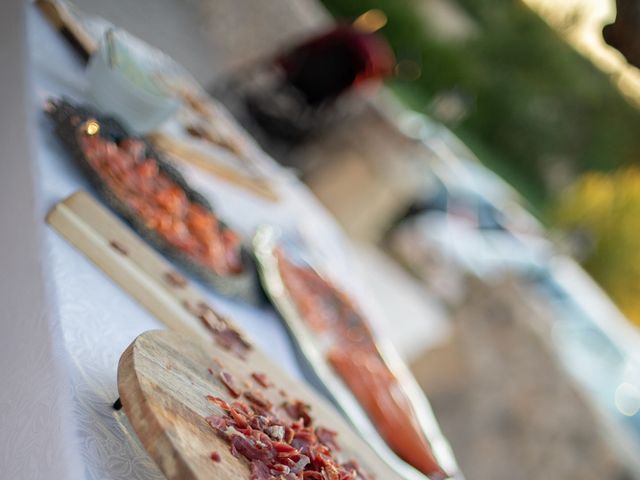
(163, 380)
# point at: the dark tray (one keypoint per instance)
(68, 119)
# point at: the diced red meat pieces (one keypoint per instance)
(161, 204)
(279, 449)
(227, 379)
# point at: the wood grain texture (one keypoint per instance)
(128, 260)
(163, 380)
(163, 376)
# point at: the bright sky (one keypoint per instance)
(586, 36)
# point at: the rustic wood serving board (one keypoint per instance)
(128, 260)
(163, 376)
(163, 380)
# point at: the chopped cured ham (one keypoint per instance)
(261, 379)
(229, 382)
(224, 334)
(279, 449)
(136, 180)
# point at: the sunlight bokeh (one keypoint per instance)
(581, 22)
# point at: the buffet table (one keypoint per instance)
(90, 321)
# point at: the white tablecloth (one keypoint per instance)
(98, 320)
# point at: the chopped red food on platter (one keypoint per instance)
(328, 437)
(223, 333)
(231, 340)
(219, 402)
(215, 456)
(356, 359)
(261, 379)
(135, 179)
(258, 399)
(279, 449)
(227, 379)
(175, 279)
(298, 410)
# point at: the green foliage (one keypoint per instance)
(533, 101)
(604, 208)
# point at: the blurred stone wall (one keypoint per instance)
(506, 404)
(363, 170)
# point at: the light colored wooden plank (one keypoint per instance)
(140, 271)
(163, 376)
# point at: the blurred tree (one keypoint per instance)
(533, 102)
(602, 212)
